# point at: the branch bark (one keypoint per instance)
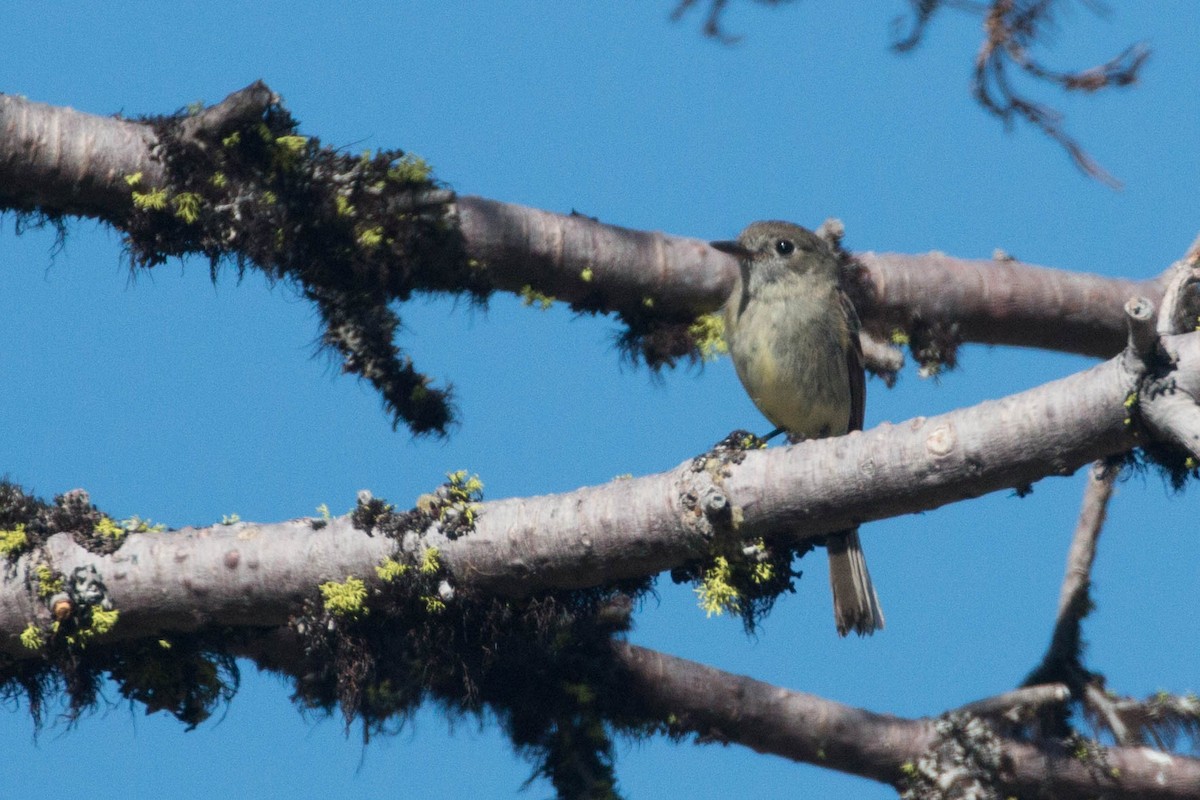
(724, 707)
(64, 162)
(728, 707)
(256, 574)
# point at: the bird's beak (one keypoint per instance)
(733, 248)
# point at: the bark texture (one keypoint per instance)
(60, 161)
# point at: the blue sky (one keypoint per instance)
(171, 398)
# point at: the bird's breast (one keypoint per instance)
(793, 365)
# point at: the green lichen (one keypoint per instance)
(430, 561)
(586, 275)
(106, 528)
(48, 584)
(104, 621)
(134, 179)
(371, 237)
(464, 493)
(187, 206)
(762, 572)
(454, 505)
(219, 180)
(410, 168)
(99, 622)
(346, 599)
(716, 594)
(709, 333)
(292, 143)
(230, 519)
(752, 442)
(325, 517)
(1131, 405)
(648, 302)
(153, 200)
(31, 637)
(899, 337)
(530, 296)
(14, 542)
(232, 140)
(344, 207)
(391, 569)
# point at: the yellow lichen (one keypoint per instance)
(31, 637)
(187, 206)
(12, 542)
(371, 237)
(292, 143)
(586, 275)
(708, 332)
(391, 569)
(346, 599)
(103, 621)
(463, 493)
(47, 584)
(106, 528)
(762, 572)
(410, 169)
(529, 296)
(136, 524)
(430, 561)
(154, 200)
(717, 595)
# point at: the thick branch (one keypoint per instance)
(802, 727)
(724, 707)
(62, 161)
(257, 574)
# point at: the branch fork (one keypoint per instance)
(1168, 413)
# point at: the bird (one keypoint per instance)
(793, 336)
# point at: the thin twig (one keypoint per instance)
(1077, 580)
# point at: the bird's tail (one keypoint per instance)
(855, 605)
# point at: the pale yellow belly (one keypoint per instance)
(803, 409)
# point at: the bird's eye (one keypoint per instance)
(784, 247)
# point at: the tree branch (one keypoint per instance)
(64, 162)
(727, 707)
(256, 574)
(724, 707)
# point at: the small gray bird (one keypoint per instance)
(793, 336)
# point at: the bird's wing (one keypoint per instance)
(854, 364)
